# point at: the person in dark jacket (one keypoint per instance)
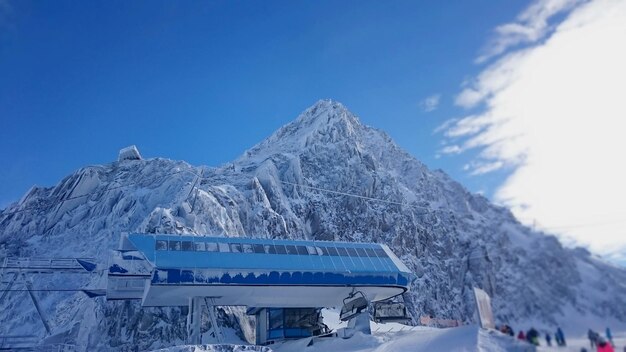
(548, 339)
(532, 336)
(593, 338)
(506, 329)
(609, 336)
(559, 337)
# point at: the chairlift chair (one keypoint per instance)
(354, 304)
(388, 312)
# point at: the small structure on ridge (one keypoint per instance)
(129, 153)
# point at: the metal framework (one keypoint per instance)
(268, 276)
(16, 270)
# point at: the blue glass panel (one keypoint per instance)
(174, 245)
(186, 276)
(342, 251)
(344, 259)
(320, 256)
(276, 334)
(361, 264)
(295, 332)
(317, 263)
(352, 252)
(361, 252)
(226, 279)
(280, 249)
(273, 277)
(307, 277)
(350, 264)
(332, 251)
(177, 277)
(173, 276)
(380, 252)
(391, 267)
(372, 264)
(370, 252)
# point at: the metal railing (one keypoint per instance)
(10, 342)
(46, 265)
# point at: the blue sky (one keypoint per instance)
(204, 81)
(526, 93)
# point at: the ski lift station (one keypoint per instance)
(284, 283)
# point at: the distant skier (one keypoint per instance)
(593, 338)
(521, 335)
(532, 336)
(505, 329)
(609, 336)
(559, 337)
(548, 339)
(509, 330)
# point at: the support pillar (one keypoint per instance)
(29, 287)
(217, 331)
(194, 321)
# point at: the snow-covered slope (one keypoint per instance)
(295, 185)
(462, 339)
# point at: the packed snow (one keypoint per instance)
(463, 339)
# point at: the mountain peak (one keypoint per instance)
(326, 104)
(325, 112)
(326, 121)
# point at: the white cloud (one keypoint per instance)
(451, 149)
(529, 27)
(556, 112)
(484, 168)
(431, 103)
(445, 125)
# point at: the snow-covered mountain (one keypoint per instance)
(323, 176)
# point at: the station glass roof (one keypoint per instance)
(223, 253)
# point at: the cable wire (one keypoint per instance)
(366, 197)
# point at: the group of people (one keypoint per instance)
(600, 343)
(532, 336)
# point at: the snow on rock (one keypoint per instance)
(129, 153)
(453, 240)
